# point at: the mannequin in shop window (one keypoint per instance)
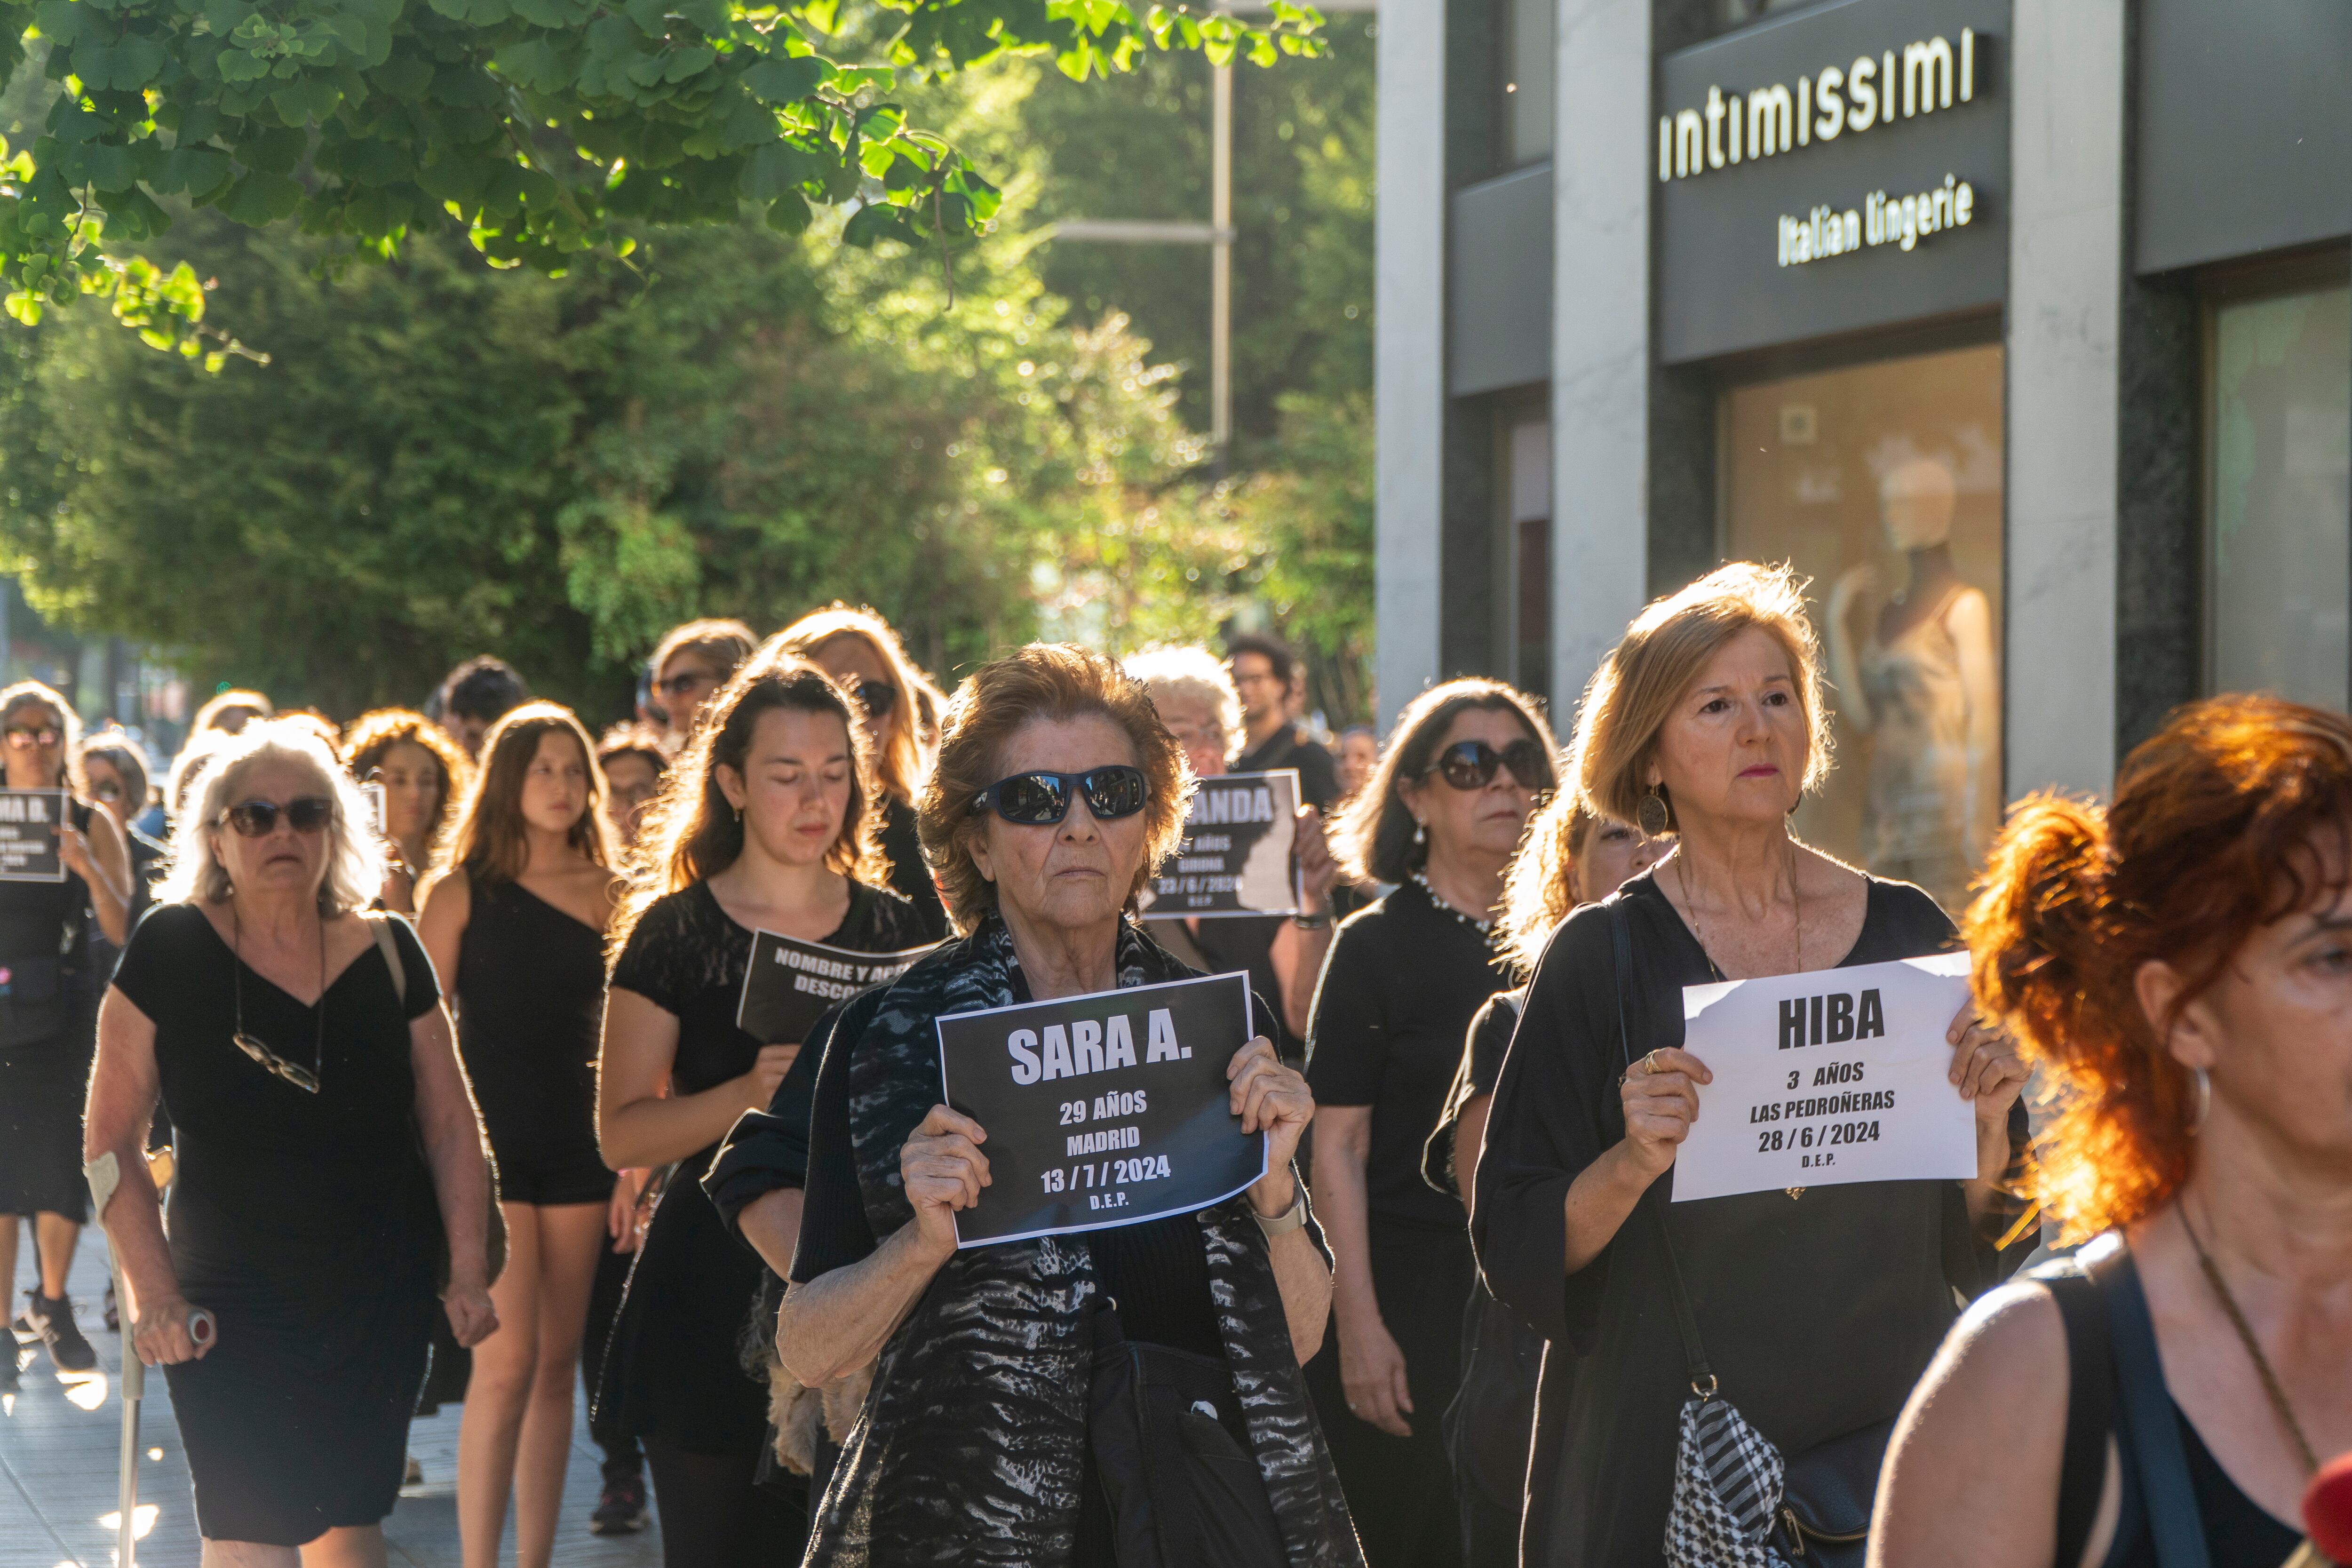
(1920, 679)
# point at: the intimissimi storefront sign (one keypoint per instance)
(1838, 169)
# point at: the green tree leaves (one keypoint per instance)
(545, 129)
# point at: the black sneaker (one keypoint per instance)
(621, 1509)
(11, 1383)
(52, 1317)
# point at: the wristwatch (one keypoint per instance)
(1286, 1222)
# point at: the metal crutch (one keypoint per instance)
(105, 1175)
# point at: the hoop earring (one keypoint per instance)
(1654, 816)
(2204, 1100)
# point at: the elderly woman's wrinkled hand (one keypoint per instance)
(944, 1170)
(1660, 1093)
(161, 1337)
(1985, 1068)
(1271, 1099)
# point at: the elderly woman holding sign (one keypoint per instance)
(1809, 1312)
(1057, 790)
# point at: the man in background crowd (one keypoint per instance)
(476, 695)
(1262, 670)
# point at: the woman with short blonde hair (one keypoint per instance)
(330, 1178)
(1817, 1309)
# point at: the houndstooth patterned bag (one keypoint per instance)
(1727, 1489)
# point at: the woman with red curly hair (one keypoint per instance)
(2179, 966)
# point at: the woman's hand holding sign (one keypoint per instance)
(944, 1170)
(1660, 1093)
(1274, 1099)
(1989, 1075)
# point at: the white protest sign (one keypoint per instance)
(1840, 1075)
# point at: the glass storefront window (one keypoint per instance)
(1883, 484)
(2279, 495)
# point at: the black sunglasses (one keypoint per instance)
(259, 819)
(1039, 800)
(1471, 764)
(25, 739)
(878, 698)
(679, 685)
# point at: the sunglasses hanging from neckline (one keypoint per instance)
(301, 1077)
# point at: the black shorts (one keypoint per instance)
(550, 1183)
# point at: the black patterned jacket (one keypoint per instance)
(971, 1446)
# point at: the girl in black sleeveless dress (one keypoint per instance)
(49, 986)
(518, 921)
(768, 825)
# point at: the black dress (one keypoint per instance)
(911, 878)
(49, 1018)
(1404, 978)
(530, 1008)
(306, 1224)
(676, 1372)
(1818, 1314)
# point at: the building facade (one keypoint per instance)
(2021, 327)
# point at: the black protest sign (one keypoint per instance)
(1234, 857)
(789, 984)
(29, 834)
(1104, 1109)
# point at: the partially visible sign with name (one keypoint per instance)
(379, 818)
(1868, 132)
(789, 984)
(29, 834)
(1826, 1077)
(1109, 1109)
(1234, 857)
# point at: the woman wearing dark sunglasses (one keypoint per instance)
(47, 1004)
(330, 1180)
(1442, 815)
(688, 667)
(767, 826)
(1058, 793)
(858, 649)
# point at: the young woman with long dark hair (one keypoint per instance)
(517, 922)
(768, 825)
(423, 774)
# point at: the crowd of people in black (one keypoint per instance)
(438, 1017)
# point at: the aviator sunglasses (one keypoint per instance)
(259, 819)
(1042, 799)
(1471, 764)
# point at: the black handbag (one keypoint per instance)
(1828, 1492)
(1184, 1490)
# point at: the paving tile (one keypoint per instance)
(57, 1469)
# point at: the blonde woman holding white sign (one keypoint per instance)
(1812, 1312)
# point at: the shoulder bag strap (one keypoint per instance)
(2149, 1431)
(379, 927)
(2089, 1407)
(1702, 1378)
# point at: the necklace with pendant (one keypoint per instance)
(1796, 957)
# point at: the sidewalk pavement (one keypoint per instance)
(58, 1466)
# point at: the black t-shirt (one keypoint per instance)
(687, 957)
(1403, 980)
(1318, 776)
(1491, 1028)
(1158, 1271)
(911, 878)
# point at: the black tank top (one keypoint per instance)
(531, 997)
